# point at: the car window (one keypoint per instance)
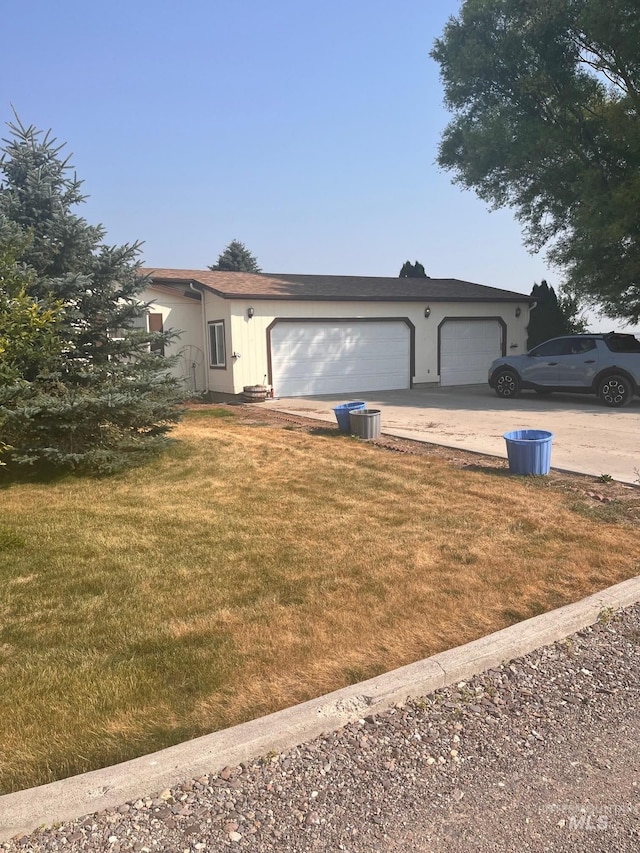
(556, 347)
(622, 343)
(580, 345)
(564, 346)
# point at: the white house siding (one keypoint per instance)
(249, 336)
(246, 339)
(183, 315)
(220, 379)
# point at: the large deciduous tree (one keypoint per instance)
(80, 388)
(236, 258)
(546, 103)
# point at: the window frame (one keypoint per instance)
(557, 346)
(621, 343)
(139, 323)
(217, 347)
(156, 347)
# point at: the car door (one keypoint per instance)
(544, 364)
(578, 368)
(563, 363)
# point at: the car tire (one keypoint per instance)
(507, 384)
(615, 391)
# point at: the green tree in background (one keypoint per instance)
(552, 315)
(410, 270)
(236, 258)
(80, 388)
(545, 96)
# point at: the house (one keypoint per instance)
(326, 334)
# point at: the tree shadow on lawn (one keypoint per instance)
(41, 472)
(502, 472)
(328, 432)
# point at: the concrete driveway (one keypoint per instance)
(588, 437)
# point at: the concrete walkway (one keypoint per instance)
(588, 437)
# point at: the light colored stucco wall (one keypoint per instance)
(221, 379)
(246, 339)
(182, 315)
(427, 338)
(249, 336)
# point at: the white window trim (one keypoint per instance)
(214, 346)
(141, 322)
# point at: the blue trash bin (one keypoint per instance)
(529, 451)
(342, 413)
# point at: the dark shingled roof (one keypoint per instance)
(334, 288)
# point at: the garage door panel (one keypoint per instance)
(330, 358)
(467, 348)
(306, 368)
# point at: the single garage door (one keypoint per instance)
(467, 348)
(339, 357)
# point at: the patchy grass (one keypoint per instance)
(253, 568)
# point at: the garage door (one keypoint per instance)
(467, 348)
(339, 357)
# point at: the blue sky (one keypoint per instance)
(307, 129)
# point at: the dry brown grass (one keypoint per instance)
(253, 568)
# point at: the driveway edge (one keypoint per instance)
(68, 799)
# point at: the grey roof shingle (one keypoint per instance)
(342, 288)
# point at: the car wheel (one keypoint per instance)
(507, 384)
(615, 391)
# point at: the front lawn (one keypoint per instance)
(254, 567)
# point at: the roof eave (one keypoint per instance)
(319, 298)
(182, 282)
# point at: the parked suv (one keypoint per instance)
(606, 365)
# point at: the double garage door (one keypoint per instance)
(467, 348)
(339, 357)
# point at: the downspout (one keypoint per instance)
(205, 342)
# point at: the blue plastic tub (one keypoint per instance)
(529, 451)
(342, 413)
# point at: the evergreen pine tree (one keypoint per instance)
(552, 316)
(96, 398)
(410, 270)
(236, 258)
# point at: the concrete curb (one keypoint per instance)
(24, 811)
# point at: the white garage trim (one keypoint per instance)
(340, 356)
(466, 348)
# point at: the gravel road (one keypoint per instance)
(541, 754)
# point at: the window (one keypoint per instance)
(559, 346)
(217, 356)
(136, 323)
(155, 325)
(582, 345)
(564, 346)
(622, 343)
